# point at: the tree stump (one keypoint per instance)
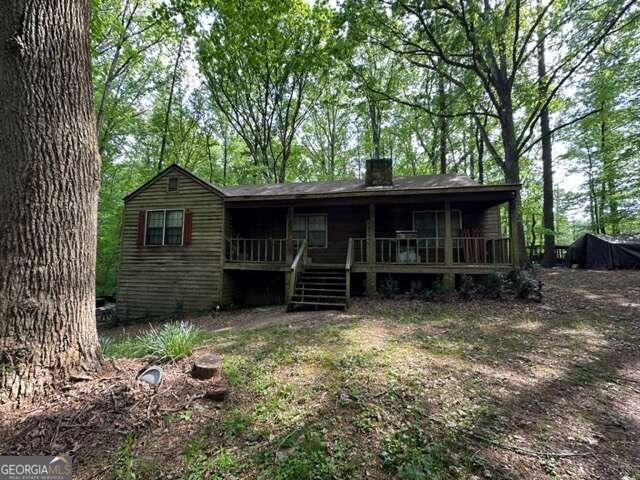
(205, 367)
(218, 393)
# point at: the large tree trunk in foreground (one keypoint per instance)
(548, 220)
(49, 177)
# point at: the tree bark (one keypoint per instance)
(167, 113)
(548, 221)
(442, 126)
(511, 165)
(49, 178)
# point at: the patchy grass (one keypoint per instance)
(401, 389)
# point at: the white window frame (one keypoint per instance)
(306, 227)
(164, 226)
(436, 217)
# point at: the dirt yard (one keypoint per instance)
(389, 389)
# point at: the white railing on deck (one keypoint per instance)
(359, 250)
(420, 251)
(258, 250)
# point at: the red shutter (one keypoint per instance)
(188, 221)
(141, 220)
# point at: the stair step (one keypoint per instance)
(326, 297)
(323, 274)
(322, 284)
(313, 277)
(320, 304)
(312, 289)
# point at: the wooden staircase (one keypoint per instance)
(320, 287)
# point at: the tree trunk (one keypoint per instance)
(608, 173)
(374, 117)
(512, 165)
(49, 178)
(167, 113)
(548, 221)
(442, 126)
(480, 148)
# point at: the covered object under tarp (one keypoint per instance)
(605, 252)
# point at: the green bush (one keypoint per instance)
(468, 287)
(526, 284)
(389, 287)
(523, 284)
(436, 293)
(172, 341)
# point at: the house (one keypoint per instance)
(188, 245)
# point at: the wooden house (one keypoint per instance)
(189, 246)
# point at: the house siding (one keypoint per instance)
(156, 281)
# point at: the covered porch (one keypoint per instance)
(441, 234)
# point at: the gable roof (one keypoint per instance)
(355, 187)
(419, 184)
(178, 168)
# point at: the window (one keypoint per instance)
(155, 227)
(430, 224)
(173, 227)
(164, 227)
(173, 185)
(311, 227)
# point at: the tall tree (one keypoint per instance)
(494, 42)
(259, 59)
(548, 223)
(49, 179)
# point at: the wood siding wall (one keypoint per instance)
(342, 223)
(160, 280)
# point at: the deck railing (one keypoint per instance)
(359, 250)
(421, 251)
(399, 251)
(347, 269)
(258, 250)
(480, 250)
(296, 267)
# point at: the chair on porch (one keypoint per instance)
(472, 248)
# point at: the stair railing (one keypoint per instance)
(347, 270)
(296, 267)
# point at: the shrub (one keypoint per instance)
(389, 287)
(172, 341)
(526, 284)
(436, 293)
(416, 289)
(496, 285)
(523, 284)
(468, 287)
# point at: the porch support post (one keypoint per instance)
(289, 235)
(289, 252)
(514, 240)
(448, 278)
(371, 250)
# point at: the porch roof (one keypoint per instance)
(413, 185)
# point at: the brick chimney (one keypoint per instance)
(379, 172)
